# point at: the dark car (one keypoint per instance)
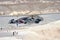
(12, 21)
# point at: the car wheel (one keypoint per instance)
(25, 22)
(37, 20)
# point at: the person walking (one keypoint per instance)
(13, 33)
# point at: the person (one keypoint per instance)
(13, 33)
(1, 28)
(32, 17)
(17, 23)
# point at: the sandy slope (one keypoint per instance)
(49, 31)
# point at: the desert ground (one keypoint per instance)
(50, 31)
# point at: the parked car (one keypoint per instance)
(25, 20)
